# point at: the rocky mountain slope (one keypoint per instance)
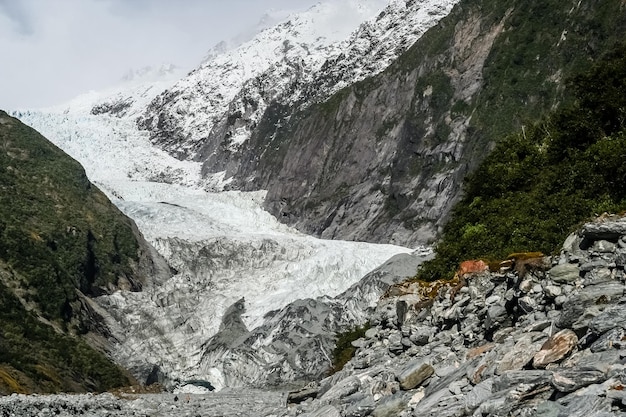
(384, 159)
(363, 139)
(61, 243)
(210, 114)
(222, 246)
(544, 338)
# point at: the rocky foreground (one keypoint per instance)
(545, 338)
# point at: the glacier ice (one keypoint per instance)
(223, 245)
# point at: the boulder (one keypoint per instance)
(612, 317)
(391, 406)
(553, 291)
(343, 388)
(414, 374)
(296, 397)
(570, 380)
(609, 229)
(555, 348)
(522, 353)
(564, 273)
(421, 335)
(612, 339)
(496, 315)
(530, 379)
(603, 246)
(479, 394)
(527, 304)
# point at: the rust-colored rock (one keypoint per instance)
(472, 267)
(472, 353)
(555, 348)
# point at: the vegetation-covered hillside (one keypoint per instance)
(538, 184)
(60, 240)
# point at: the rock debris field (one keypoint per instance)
(545, 338)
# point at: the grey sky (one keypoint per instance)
(53, 50)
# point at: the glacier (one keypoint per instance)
(222, 245)
(233, 264)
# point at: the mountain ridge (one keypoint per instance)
(384, 159)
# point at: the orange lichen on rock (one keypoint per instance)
(427, 290)
(524, 255)
(472, 267)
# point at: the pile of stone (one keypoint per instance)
(225, 403)
(546, 338)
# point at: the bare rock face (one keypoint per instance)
(384, 159)
(605, 229)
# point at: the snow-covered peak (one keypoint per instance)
(303, 40)
(270, 18)
(224, 245)
(305, 58)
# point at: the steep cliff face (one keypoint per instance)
(210, 114)
(384, 159)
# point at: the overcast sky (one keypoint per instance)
(53, 50)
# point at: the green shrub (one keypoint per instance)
(344, 351)
(536, 186)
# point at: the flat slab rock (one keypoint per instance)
(555, 348)
(414, 374)
(608, 229)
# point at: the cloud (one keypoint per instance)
(14, 12)
(53, 50)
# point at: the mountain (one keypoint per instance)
(62, 243)
(370, 138)
(384, 159)
(221, 246)
(362, 134)
(545, 338)
(212, 112)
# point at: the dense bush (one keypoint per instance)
(537, 185)
(56, 229)
(36, 358)
(58, 235)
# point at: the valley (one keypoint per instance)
(302, 208)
